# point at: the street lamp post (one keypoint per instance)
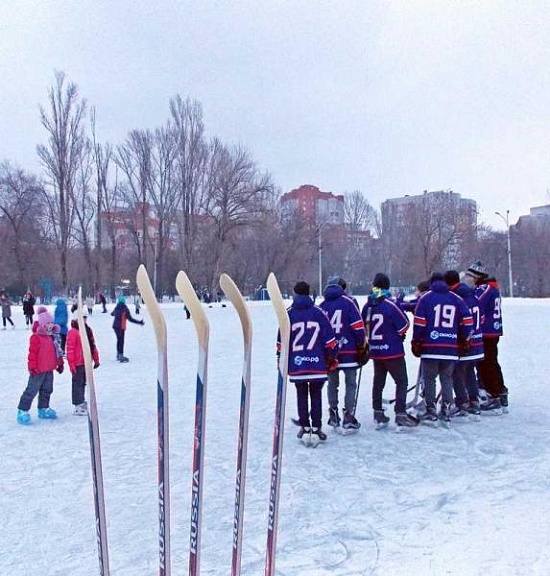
(320, 263)
(506, 221)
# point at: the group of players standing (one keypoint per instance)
(457, 323)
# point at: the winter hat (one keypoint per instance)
(437, 276)
(121, 299)
(41, 309)
(338, 281)
(451, 277)
(381, 281)
(477, 271)
(44, 318)
(84, 314)
(301, 289)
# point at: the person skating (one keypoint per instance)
(28, 308)
(61, 318)
(6, 304)
(75, 359)
(103, 302)
(44, 357)
(349, 330)
(122, 316)
(442, 325)
(386, 326)
(312, 355)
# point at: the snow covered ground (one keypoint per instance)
(471, 500)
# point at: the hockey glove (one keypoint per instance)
(96, 365)
(463, 346)
(416, 348)
(332, 364)
(363, 355)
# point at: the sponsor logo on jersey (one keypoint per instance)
(299, 360)
(435, 335)
(380, 347)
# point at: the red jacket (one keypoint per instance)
(75, 355)
(42, 354)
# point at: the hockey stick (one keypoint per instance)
(233, 293)
(163, 474)
(187, 292)
(95, 447)
(278, 426)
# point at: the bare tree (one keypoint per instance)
(21, 205)
(190, 169)
(61, 156)
(237, 193)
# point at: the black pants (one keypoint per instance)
(489, 371)
(306, 391)
(78, 386)
(398, 371)
(4, 318)
(119, 340)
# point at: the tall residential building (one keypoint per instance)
(313, 206)
(433, 227)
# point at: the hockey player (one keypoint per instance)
(464, 375)
(312, 355)
(386, 326)
(489, 370)
(442, 324)
(349, 330)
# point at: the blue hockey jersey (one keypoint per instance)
(346, 322)
(312, 340)
(386, 326)
(441, 318)
(490, 302)
(475, 353)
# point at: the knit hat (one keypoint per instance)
(121, 299)
(338, 281)
(302, 289)
(84, 314)
(381, 281)
(44, 318)
(451, 277)
(477, 271)
(41, 309)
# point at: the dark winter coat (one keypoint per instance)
(122, 316)
(28, 304)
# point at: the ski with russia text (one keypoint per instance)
(278, 425)
(187, 292)
(233, 293)
(95, 447)
(159, 324)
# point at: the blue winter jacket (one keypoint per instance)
(61, 315)
(346, 322)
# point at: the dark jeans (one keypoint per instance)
(119, 340)
(489, 371)
(41, 384)
(78, 385)
(431, 369)
(4, 318)
(306, 391)
(28, 319)
(465, 382)
(398, 371)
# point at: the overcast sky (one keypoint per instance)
(387, 97)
